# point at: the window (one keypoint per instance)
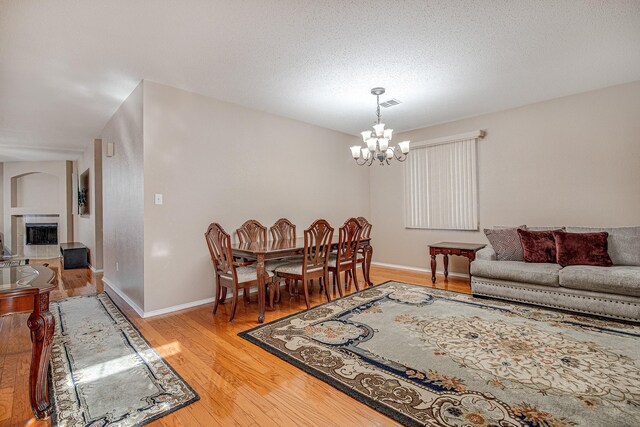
(441, 184)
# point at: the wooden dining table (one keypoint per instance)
(285, 248)
(26, 289)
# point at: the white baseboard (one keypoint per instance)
(178, 307)
(145, 314)
(95, 270)
(111, 287)
(421, 270)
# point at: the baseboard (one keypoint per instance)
(110, 287)
(95, 270)
(421, 270)
(178, 307)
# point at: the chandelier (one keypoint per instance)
(378, 142)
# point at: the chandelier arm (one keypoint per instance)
(401, 157)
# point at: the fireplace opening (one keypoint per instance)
(42, 234)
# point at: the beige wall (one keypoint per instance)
(569, 161)
(28, 177)
(123, 200)
(88, 228)
(215, 161)
(1, 208)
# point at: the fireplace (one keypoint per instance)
(41, 233)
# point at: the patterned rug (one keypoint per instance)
(428, 357)
(15, 263)
(104, 373)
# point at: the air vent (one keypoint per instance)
(389, 103)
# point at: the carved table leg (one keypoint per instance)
(261, 288)
(41, 324)
(445, 258)
(433, 268)
(366, 265)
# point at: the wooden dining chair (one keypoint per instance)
(283, 229)
(365, 235)
(315, 259)
(230, 274)
(252, 231)
(345, 257)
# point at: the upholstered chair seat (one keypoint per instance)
(332, 261)
(293, 268)
(247, 274)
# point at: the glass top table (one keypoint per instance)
(12, 278)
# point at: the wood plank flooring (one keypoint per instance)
(238, 383)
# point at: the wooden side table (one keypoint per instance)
(467, 250)
(26, 288)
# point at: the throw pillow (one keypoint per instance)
(538, 246)
(506, 243)
(582, 249)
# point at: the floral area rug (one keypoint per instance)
(104, 373)
(428, 357)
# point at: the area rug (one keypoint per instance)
(104, 373)
(428, 357)
(15, 263)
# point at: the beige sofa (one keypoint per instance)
(604, 291)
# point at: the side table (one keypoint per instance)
(467, 250)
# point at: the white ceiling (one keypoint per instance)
(65, 66)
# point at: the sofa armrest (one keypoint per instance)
(487, 253)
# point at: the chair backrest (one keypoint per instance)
(317, 245)
(349, 240)
(366, 227)
(252, 232)
(283, 229)
(219, 243)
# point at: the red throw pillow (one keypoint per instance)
(538, 246)
(582, 248)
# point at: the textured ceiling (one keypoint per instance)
(65, 66)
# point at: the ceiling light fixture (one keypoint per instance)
(378, 142)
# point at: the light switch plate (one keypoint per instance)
(158, 199)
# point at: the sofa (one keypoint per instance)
(612, 292)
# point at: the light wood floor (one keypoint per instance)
(238, 383)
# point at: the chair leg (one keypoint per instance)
(223, 297)
(217, 300)
(245, 295)
(234, 303)
(306, 293)
(354, 274)
(272, 292)
(340, 290)
(278, 293)
(325, 279)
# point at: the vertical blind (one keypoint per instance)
(441, 186)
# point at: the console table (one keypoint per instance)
(467, 250)
(26, 289)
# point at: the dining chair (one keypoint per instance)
(315, 259)
(229, 273)
(345, 257)
(283, 229)
(252, 231)
(365, 235)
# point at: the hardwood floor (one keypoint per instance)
(238, 383)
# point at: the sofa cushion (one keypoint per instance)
(506, 243)
(582, 249)
(620, 280)
(517, 271)
(624, 243)
(538, 246)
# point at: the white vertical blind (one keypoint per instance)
(441, 186)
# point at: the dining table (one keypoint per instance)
(26, 288)
(262, 252)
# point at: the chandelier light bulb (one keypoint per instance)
(388, 133)
(379, 129)
(383, 144)
(365, 135)
(389, 153)
(366, 154)
(355, 151)
(404, 147)
(371, 144)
